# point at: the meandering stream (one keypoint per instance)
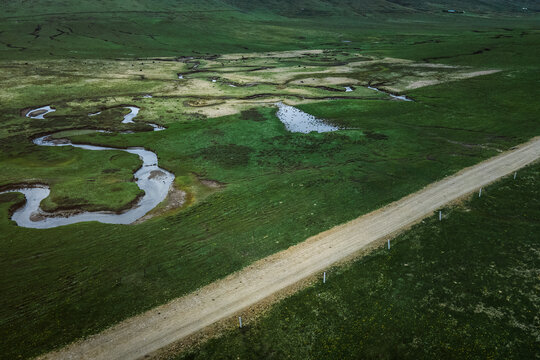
(153, 180)
(40, 113)
(128, 119)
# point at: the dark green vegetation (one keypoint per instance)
(130, 28)
(64, 283)
(463, 288)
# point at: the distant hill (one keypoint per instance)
(358, 7)
(280, 7)
(126, 28)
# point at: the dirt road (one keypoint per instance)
(148, 332)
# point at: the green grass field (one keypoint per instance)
(279, 188)
(134, 28)
(466, 288)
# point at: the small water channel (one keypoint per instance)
(153, 180)
(128, 119)
(397, 97)
(40, 113)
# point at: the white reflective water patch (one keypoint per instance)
(295, 120)
(129, 117)
(157, 127)
(42, 111)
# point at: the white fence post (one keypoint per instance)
(240, 321)
(440, 215)
(324, 278)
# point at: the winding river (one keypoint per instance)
(153, 180)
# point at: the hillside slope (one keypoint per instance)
(107, 29)
(285, 8)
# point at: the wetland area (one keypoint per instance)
(153, 151)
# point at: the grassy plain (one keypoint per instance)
(280, 187)
(463, 288)
(138, 28)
